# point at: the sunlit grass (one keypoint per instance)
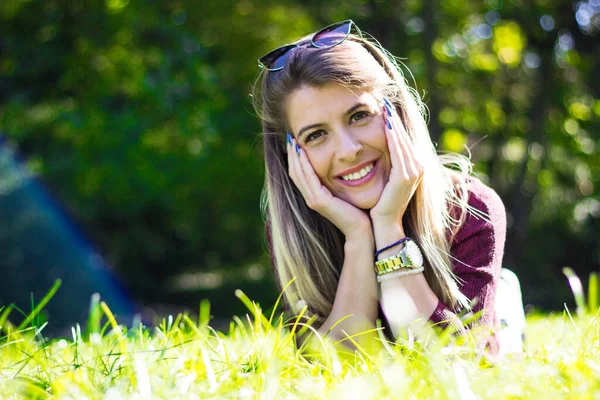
(185, 358)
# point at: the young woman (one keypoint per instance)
(360, 209)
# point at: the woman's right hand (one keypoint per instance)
(348, 219)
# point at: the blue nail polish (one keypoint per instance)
(387, 102)
(389, 125)
(389, 110)
(297, 149)
(289, 138)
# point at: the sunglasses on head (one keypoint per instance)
(329, 36)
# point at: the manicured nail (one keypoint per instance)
(387, 102)
(389, 110)
(389, 125)
(289, 138)
(297, 149)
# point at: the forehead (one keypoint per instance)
(312, 105)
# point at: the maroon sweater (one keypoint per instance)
(477, 251)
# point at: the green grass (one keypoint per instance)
(258, 358)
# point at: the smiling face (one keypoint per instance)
(343, 134)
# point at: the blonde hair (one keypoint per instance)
(307, 246)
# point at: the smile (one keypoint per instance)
(360, 174)
(359, 177)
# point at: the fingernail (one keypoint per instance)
(389, 125)
(297, 149)
(387, 102)
(389, 110)
(289, 138)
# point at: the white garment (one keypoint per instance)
(509, 309)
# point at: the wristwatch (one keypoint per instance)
(410, 257)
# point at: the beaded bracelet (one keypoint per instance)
(399, 242)
(397, 274)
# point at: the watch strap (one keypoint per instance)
(394, 263)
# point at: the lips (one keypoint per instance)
(359, 175)
(357, 169)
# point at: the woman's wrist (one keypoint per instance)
(360, 240)
(386, 234)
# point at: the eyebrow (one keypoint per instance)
(350, 111)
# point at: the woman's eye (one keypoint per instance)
(360, 116)
(314, 136)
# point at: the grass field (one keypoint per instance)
(258, 358)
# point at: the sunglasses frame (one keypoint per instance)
(282, 51)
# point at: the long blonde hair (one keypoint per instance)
(307, 246)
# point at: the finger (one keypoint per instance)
(315, 194)
(405, 139)
(291, 165)
(401, 133)
(298, 177)
(307, 177)
(406, 145)
(411, 155)
(394, 145)
(294, 167)
(312, 180)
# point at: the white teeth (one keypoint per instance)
(357, 175)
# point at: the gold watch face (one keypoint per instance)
(414, 254)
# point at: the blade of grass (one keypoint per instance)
(113, 322)
(253, 308)
(337, 322)
(309, 342)
(382, 338)
(279, 298)
(204, 314)
(191, 324)
(241, 328)
(41, 305)
(593, 293)
(369, 339)
(358, 347)
(4, 315)
(577, 289)
(29, 388)
(36, 319)
(571, 318)
(208, 368)
(95, 316)
(298, 318)
(310, 321)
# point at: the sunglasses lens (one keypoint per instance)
(326, 37)
(275, 60)
(332, 35)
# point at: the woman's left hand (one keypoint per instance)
(405, 175)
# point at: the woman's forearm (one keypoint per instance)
(356, 293)
(406, 301)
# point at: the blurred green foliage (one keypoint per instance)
(136, 115)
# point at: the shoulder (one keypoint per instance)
(484, 227)
(485, 199)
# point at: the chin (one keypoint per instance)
(364, 203)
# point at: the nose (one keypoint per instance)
(349, 147)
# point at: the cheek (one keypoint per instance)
(379, 140)
(319, 163)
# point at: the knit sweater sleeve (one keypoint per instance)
(477, 252)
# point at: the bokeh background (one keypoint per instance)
(131, 163)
